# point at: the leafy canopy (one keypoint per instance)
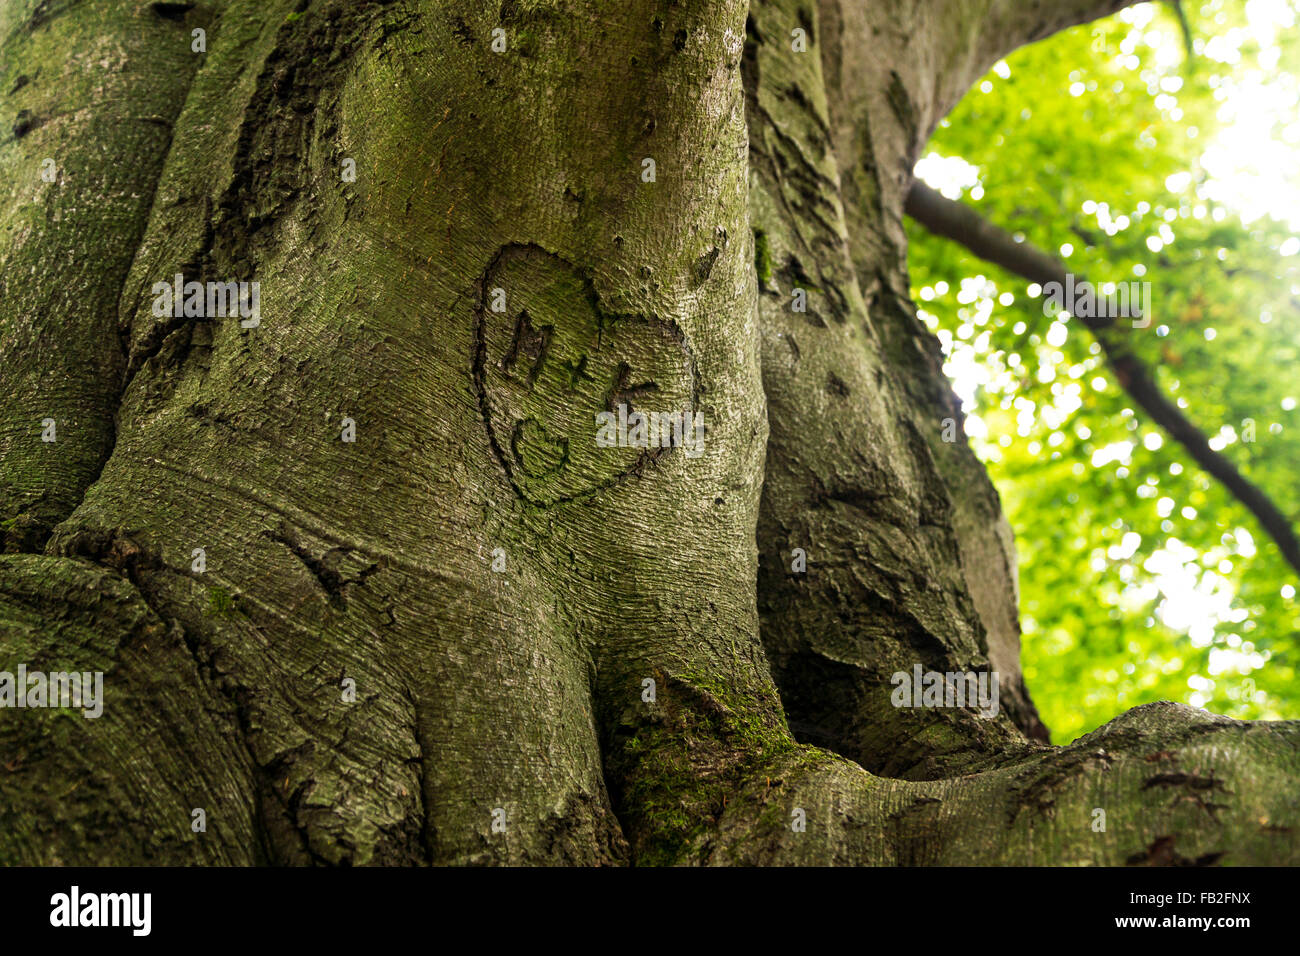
(1131, 160)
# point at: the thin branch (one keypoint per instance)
(1185, 27)
(953, 220)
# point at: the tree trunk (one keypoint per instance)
(561, 652)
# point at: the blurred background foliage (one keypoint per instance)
(1157, 146)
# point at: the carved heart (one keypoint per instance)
(552, 359)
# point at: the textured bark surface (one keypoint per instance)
(501, 591)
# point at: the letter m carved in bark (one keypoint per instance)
(528, 346)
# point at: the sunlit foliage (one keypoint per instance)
(1131, 160)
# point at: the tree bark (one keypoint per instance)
(561, 653)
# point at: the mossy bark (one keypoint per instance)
(433, 621)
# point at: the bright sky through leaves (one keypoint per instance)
(1141, 579)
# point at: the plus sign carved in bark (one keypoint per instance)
(548, 359)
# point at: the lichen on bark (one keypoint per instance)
(557, 656)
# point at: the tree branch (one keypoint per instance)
(1024, 21)
(1006, 26)
(958, 222)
